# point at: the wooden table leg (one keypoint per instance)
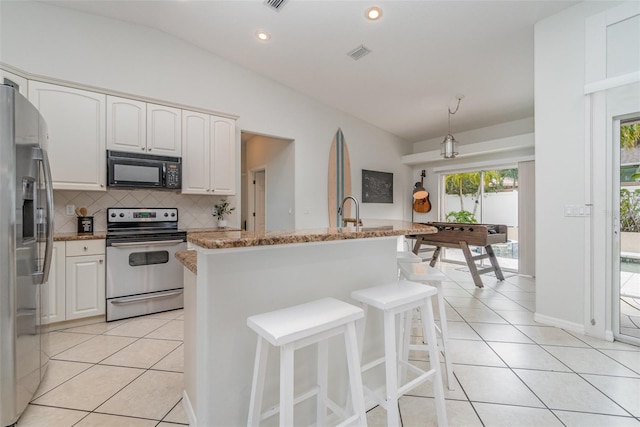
(435, 255)
(416, 246)
(471, 264)
(494, 262)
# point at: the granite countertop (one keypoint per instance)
(189, 259)
(66, 237)
(370, 229)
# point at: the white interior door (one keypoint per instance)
(259, 195)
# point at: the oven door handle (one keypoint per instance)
(149, 243)
(131, 300)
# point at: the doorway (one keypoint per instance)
(488, 196)
(268, 177)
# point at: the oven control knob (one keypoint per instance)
(173, 214)
(121, 214)
(166, 214)
(113, 214)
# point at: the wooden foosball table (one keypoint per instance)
(457, 235)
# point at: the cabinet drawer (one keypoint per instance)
(85, 247)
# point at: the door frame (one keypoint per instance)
(616, 270)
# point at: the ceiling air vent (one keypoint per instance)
(275, 4)
(359, 52)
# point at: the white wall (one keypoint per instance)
(503, 130)
(560, 165)
(49, 41)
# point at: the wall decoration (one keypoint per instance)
(377, 187)
(339, 179)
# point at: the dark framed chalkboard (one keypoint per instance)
(377, 187)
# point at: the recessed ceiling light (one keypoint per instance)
(263, 36)
(373, 13)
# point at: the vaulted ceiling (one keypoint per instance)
(423, 53)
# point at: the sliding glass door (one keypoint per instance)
(628, 256)
(486, 197)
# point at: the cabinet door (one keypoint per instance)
(195, 153)
(76, 126)
(54, 289)
(164, 130)
(223, 155)
(85, 291)
(126, 124)
(14, 78)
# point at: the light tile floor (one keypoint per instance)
(123, 373)
(509, 370)
(630, 304)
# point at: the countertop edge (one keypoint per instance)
(189, 259)
(380, 228)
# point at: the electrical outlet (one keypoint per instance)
(71, 210)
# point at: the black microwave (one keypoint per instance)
(135, 170)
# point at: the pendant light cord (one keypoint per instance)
(453, 112)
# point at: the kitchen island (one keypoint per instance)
(240, 274)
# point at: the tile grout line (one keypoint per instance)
(99, 363)
(552, 355)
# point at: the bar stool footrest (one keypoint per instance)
(416, 381)
(372, 364)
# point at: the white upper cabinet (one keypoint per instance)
(208, 154)
(195, 153)
(76, 123)
(137, 126)
(164, 129)
(223, 155)
(126, 124)
(21, 82)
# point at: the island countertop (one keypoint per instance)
(370, 229)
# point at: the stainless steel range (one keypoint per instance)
(143, 275)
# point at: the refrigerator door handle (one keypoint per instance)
(40, 155)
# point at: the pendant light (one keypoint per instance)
(449, 147)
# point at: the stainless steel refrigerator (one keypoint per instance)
(26, 243)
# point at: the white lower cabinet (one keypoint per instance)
(55, 287)
(85, 277)
(76, 286)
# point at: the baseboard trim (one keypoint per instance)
(608, 335)
(559, 323)
(188, 409)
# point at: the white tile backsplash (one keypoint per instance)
(193, 211)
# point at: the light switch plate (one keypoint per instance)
(70, 210)
(577, 210)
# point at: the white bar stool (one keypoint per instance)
(424, 273)
(299, 326)
(408, 256)
(401, 298)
